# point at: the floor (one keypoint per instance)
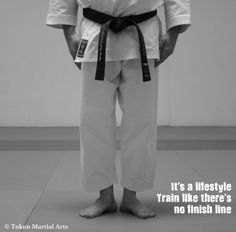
(43, 187)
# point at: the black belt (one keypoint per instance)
(117, 24)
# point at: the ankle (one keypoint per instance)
(128, 195)
(107, 194)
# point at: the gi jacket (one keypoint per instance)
(123, 45)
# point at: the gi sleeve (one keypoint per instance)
(62, 12)
(177, 13)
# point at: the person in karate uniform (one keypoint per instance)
(123, 80)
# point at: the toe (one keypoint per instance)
(81, 213)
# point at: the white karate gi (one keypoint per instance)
(123, 79)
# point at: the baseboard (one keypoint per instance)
(169, 138)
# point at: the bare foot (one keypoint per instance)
(104, 204)
(135, 207)
(132, 205)
(98, 208)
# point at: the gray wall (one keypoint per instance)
(39, 84)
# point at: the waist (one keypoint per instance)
(117, 24)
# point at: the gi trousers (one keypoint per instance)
(138, 102)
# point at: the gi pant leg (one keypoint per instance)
(98, 126)
(138, 101)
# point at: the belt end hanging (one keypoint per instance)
(146, 72)
(100, 72)
(146, 78)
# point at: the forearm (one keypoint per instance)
(70, 36)
(174, 32)
(167, 43)
(69, 32)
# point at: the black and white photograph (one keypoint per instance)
(117, 115)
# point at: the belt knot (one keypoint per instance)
(119, 23)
